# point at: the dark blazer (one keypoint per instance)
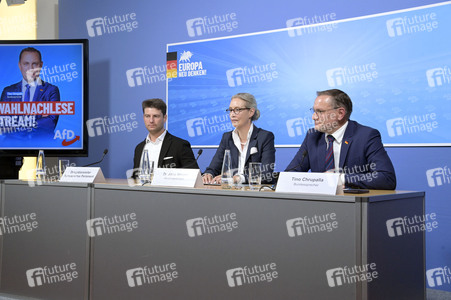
(362, 158)
(261, 140)
(44, 92)
(175, 153)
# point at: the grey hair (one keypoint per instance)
(250, 103)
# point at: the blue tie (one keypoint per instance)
(27, 94)
(330, 164)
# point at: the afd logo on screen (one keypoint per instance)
(438, 76)
(411, 124)
(165, 273)
(55, 274)
(299, 126)
(252, 274)
(254, 74)
(438, 176)
(351, 74)
(112, 24)
(411, 24)
(438, 276)
(315, 20)
(212, 25)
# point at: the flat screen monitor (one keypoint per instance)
(44, 97)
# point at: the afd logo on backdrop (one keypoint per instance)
(255, 74)
(211, 25)
(208, 125)
(146, 75)
(112, 24)
(299, 126)
(296, 22)
(438, 176)
(438, 76)
(188, 68)
(438, 276)
(411, 124)
(351, 74)
(411, 25)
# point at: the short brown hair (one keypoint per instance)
(155, 103)
(341, 99)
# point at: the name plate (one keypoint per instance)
(83, 174)
(312, 183)
(177, 177)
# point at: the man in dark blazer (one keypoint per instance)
(166, 150)
(260, 149)
(32, 88)
(357, 151)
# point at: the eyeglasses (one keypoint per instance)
(319, 112)
(237, 111)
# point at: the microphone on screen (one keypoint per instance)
(98, 162)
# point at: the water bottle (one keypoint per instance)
(145, 170)
(40, 166)
(226, 173)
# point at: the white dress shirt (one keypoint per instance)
(154, 148)
(243, 151)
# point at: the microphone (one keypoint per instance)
(195, 161)
(304, 154)
(103, 156)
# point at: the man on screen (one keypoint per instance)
(164, 149)
(345, 146)
(32, 89)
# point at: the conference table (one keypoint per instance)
(115, 240)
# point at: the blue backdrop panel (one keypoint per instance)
(395, 66)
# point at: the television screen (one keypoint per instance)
(44, 97)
